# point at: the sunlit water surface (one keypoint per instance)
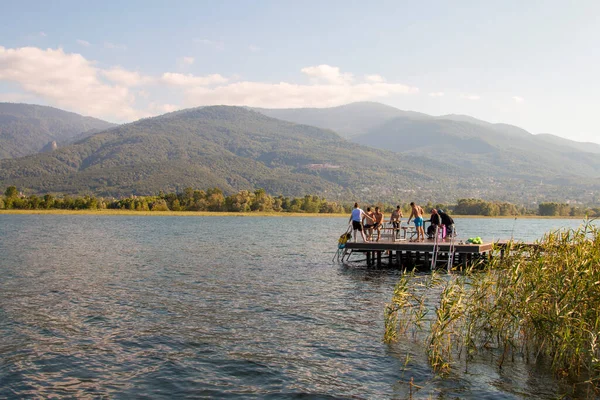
(164, 307)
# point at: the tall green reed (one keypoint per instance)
(540, 301)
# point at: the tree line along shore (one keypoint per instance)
(215, 201)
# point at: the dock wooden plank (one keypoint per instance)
(420, 246)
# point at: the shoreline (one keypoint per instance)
(107, 212)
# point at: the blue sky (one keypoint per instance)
(532, 64)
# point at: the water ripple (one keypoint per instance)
(163, 307)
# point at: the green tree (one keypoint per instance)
(48, 201)
(11, 191)
(215, 199)
(159, 205)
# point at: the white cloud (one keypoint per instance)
(176, 79)
(124, 77)
(83, 42)
(436, 94)
(70, 81)
(374, 78)
(328, 74)
(473, 97)
(211, 43)
(253, 48)
(67, 81)
(43, 34)
(162, 108)
(280, 95)
(518, 99)
(114, 46)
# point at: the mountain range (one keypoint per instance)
(365, 151)
(494, 149)
(26, 128)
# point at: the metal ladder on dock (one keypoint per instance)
(437, 251)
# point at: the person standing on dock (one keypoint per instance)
(378, 215)
(395, 219)
(356, 219)
(417, 214)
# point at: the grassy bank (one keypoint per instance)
(170, 213)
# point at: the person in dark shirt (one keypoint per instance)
(448, 221)
(435, 221)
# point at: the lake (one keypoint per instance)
(218, 307)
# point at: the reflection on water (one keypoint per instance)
(95, 306)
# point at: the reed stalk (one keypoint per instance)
(539, 301)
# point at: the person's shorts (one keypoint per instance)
(357, 226)
(378, 226)
(418, 222)
(369, 226)
(395, 224)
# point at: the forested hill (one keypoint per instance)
(232, 148)
(235, 148)
(26, 128)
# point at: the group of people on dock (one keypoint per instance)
(372, 221)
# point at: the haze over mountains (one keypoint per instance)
(398, 155)
(362, 118)
(497, 150)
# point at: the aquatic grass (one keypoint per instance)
(407, 308)
(538, 302)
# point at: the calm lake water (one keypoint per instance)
(218, 307)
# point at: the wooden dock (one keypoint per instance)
(421, 255)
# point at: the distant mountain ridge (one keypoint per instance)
(494, 148)
(27, 128)
(229, 147)
(355, 119)
(347, 120)
(237, 148)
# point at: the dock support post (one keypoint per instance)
(379, 258)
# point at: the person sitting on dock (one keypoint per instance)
(417, 214)
(378, 224)
(435, 223)
(395, 219)
(447, 221)
(356, 218)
